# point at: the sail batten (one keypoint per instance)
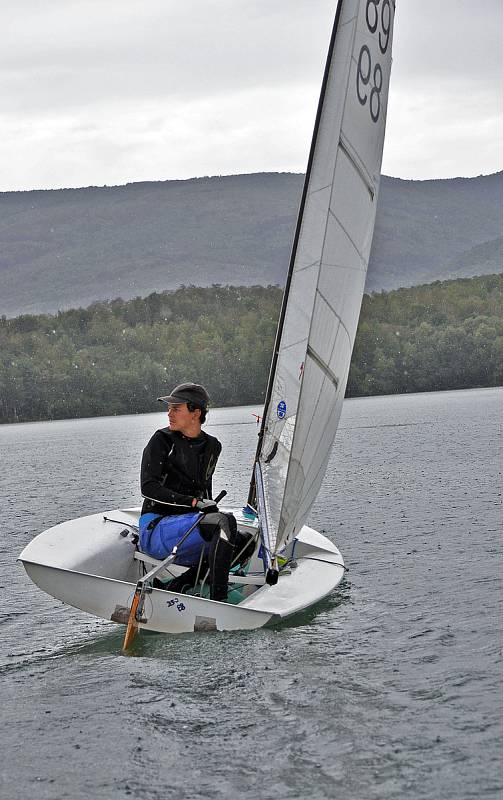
(326, 279)
(324, 367)
(360, 168)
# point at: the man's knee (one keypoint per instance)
(228, 528)
(223, 523)
(210, 520)
(233, 526)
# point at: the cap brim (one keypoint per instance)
(171, 399)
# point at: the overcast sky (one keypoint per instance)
(101, 92)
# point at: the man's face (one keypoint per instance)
(181, 419)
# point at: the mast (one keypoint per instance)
(270, 382)
(326, 277)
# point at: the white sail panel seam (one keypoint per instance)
(334, 170)
(315, 476)
(343, 266)
(334, 312)
(292, 344)
(312, 192)
(349, 237)
(324, 463)
(307, 266)
(322, 365)
(349, 21)
(321, 468)
(330, 212)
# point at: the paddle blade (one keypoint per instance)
(132, 625)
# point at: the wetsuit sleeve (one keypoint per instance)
(151, 475)
(217, 449)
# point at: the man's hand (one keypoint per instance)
(207, 506)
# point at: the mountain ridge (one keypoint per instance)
(62, 248)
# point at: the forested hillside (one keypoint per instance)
(445, 335)
(66, 248)
(117, 357)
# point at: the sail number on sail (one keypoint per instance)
(378, 17)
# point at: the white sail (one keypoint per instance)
(328, 268)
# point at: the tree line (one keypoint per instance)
(116, 357)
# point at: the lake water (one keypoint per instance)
(390, 688)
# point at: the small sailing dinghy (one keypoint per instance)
(93, 563)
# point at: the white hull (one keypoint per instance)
(88, 564)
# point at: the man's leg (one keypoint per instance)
(169, 531)
(183, 583)
(220, 529)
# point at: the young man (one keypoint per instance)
(176, 483)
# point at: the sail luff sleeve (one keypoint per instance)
(286, 292)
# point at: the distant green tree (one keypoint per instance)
(116, 357)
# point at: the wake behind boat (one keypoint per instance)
(93, 563)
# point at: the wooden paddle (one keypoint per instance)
(132, 625)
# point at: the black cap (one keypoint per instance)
(188, 393)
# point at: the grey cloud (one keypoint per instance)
(455, 40)
(146, 89)
(81, 51)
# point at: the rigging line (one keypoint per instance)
(135, 528)
(227, 424)
(245, 546)
(248, 574)
(199, 567)
(206, 575)
(384, 425)
(323, 561)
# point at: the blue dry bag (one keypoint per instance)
(157, 539)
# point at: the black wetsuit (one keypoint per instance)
(175, 469)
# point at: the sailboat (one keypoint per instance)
(93, 563)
